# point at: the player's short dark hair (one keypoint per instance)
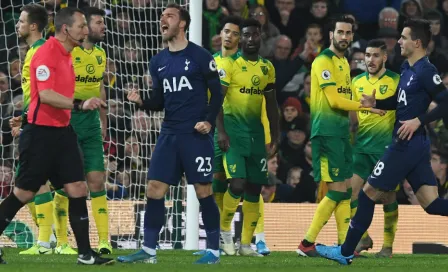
(65, 17)
(377, 43)
(93, 11)
(420, 30)
(251, 22)
(234, 20)
(341, 19)
(184, 15)
(37, 14)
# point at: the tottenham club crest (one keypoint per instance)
(326, 74)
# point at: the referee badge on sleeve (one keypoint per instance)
(326, 74)
(42, 73)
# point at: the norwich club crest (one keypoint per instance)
(99, 59)
(383, 89)
(264, 69)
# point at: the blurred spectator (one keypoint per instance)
(6, 178)
(429, 4)
(287, 18)
(444, 10)
(435, 57)
(439, 163)
(436, 19)
(304, 93)
(212, 18)
(15, 75)
(269, 32)
(289, 71)
(367, 13)
(394, 58)
(388, 18)
(299, 187)
(268, 191)
(291, 109)
(291, 149)
(310, 46)
(357, 60)
(238, 8)
(410, 9)
(358, 42)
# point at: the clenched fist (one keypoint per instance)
(93, 104)
(133, 96)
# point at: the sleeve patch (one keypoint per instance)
(212, 66)
(437, 80)
(326, 74)
(222, 73)
(42, 73)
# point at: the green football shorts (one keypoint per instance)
(332, 158)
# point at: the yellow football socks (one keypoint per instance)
(323, 213)
(390, 223)
(260, 223)
(60, 214)
(251, 212)
(100, 214)
(342, 215)
(44, 215)
(230, 204)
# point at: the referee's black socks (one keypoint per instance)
(8, 209)
(79, 220)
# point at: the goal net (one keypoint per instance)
(132, 38)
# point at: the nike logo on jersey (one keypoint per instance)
(161, 68)
(207, 174)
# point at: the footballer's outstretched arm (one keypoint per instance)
(340, 103)
(389, 103)
(272, 112)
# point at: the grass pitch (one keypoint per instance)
(171, 261)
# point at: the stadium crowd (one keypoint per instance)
(294, 33)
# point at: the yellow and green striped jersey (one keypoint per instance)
(329, 70)
(26, 76)
(246, 81)
(374, 131)
(89, 68)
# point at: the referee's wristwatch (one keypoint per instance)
(77, 104)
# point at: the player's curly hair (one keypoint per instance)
(37, 14)
(420, 30)
(251, 22)
(234, 20)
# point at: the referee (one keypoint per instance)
(48, 145)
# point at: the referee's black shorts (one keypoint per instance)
(48, 153)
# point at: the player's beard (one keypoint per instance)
(24, 36)
(94, 38)
(338, 47)
(378, 69)
(168, 37)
